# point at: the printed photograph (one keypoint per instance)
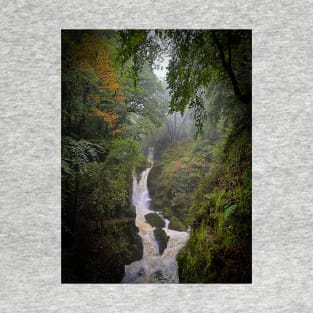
(156, 156)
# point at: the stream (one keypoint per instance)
(153, 267)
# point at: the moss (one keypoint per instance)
(219, 248)
(155, 220)
(176, 224)
(161, 238)
(159, 277)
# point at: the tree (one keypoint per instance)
(201, 61)
(175, 123)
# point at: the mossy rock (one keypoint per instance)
(159, 277)
(161, 238)
(176, 224)
(155, 220)
(135, 246)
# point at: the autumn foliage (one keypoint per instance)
(109, 117)
(94, 54)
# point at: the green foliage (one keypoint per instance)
(207, 68)
(219, 249)
(75, 154)
(176, 224)
(95, 182)
(174, 178)
(137, 47)
(145, 104)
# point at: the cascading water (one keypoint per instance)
(153, 267)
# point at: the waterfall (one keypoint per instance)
(153, 267)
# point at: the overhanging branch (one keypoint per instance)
(227, 66)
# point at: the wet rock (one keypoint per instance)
(155, 220)
(161, 238)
